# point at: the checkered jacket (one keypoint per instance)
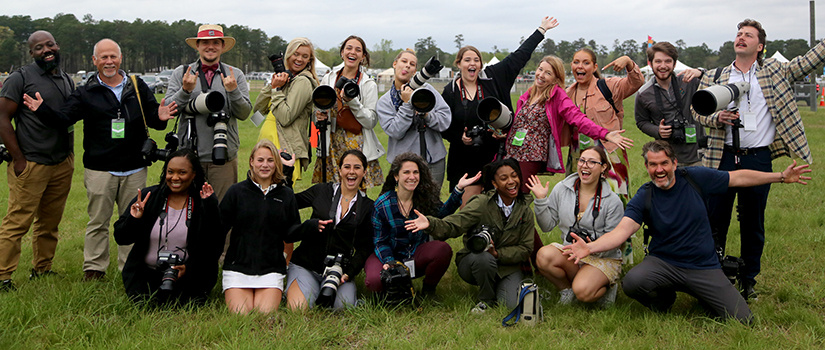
(776, 79)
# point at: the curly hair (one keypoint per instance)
(200, 174)
(426, 194)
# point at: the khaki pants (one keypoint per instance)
(36, 200)
(104, 190)
(221, 177)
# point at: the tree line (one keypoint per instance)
(151, 46)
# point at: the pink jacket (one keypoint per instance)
(560, 109)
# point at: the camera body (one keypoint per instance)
(476, 133)
(677, 131)
(586, 236)
(277, 61)
(151, 153)
(331, 280)
(4, 154)
(732, 267)
(397, 283)
(481, 238)
(167, 260)
(348, 86)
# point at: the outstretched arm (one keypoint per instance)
(749, 178)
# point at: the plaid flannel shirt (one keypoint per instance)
(392, 241)
(776, 80)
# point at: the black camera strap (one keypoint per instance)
(333, 209)
(163, 217)
(677, 94)
(597, 205)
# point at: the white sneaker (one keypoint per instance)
(609, 297)
(567, 296)
(480, 308)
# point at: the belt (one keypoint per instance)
(746, 151)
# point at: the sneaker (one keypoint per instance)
(748, 292)
(7, 286)
(567, 296)
(93, 275)
(480, 308)
(35, 274)
(609, 297)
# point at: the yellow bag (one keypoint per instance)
(269, 130)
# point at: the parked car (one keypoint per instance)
(155, 83)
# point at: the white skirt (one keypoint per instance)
(233, 279)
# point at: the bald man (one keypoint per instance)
(116, 111)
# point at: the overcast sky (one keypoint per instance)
(484, 23)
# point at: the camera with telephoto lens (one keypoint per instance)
(581, 233)
(151, 153)
(348, 86)
(481, 238)
(431, 68)
(220, 150)
(167, 260)
(331, 280)
(677, 131)
(476, 133)
(4, 154)
(277, 61)
(397, 283)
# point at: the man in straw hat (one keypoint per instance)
(208, 74)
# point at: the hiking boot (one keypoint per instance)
(748, 292)
(48, 273)
(93, 275)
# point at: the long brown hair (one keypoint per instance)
(366, 61)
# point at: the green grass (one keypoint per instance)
(67, 313)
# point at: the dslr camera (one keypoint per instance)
(151, 153)
(586, 236)
(167, 260)
(331, 280)
(677, 129)
(430, 69)
(397, 283)
(4, 154)
(211, 104)
(349, 87)
(277, 61)
(481, 238)
(476, 133)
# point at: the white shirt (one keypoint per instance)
(507, 209)
(751, 103)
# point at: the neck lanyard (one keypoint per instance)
(597, 203)
(164, 214)
(479, 91)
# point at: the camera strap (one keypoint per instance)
(140, 103)
(597, 204)
(163, 216)
(677, 94)
(336, 201)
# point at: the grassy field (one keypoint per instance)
(64, 312)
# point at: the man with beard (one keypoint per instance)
(115, 127)
(682, 255)
(40, 174)
(205, 75)
(663, 106)
(772, 127)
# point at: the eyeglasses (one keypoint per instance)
(590, 163)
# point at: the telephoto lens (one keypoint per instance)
(431, 68)
(332, 280)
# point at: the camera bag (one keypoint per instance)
(529, 309)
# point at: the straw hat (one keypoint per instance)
(211, 31)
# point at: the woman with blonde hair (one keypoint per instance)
(288, 97)
(262, 213)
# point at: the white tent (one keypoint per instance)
(678, 68)
(779, 57)
(320, 68)
(493, 61)
(386, 75)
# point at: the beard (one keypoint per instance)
(48, 65)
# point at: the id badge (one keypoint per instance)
(690, 134)
(410, 265)
(118, 128)
(518, 138)
(749, 121)
(584, 141)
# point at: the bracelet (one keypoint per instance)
(457, 190)
(782, 176)
(542, 30)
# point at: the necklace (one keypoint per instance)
(404, 211)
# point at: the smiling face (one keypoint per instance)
(408, 177)
(590, 172)
(44, 49)
(583, 67)
(661, 169)
(262, 165)
(299, 60)
(353, 53)
(352, 172)
(210, 50)
(404, 67)
(747, 43)
(470, 66)
(179, 175)
(107, 58)
(545, 76)
(662, 65)
(507, 184)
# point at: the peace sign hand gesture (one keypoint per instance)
(137, 208)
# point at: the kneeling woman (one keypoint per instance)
(262, 214)
(409, 187)
(179, 216)
(584, 205)
(346, 213)
(505, 211)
